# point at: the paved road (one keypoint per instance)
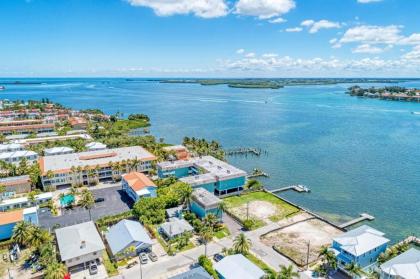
(170, 266)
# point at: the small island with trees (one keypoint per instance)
(276, 83)
(394, 93)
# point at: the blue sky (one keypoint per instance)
(214, 38)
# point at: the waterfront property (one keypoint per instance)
(361, 246)
(24, 202)
(195, 273)
(126, 234)
(16, 156)
(175, 227)
(62, 171)
(404, 266)
(207, 172)
(203, 203)
(79, 244)
(137, 185)
(238, 267)
(15, 185)
(9, 219)
(58, 150)
(180, 151)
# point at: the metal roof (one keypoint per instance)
(361, 240)
(205, 198)
(238, 267)
(78, 240)
(406, 265)
(124, 233)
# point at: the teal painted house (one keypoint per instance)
(206, 172)
(361, 246)
(9, 219)
(204, 203)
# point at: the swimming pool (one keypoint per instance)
(66, 200)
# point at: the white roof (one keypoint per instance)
(17, 154)
(94, 157)
(406, 265)
(175, 227)
(238, 267)
(10, 146)
(78, 240)
(125, 232)
(25, 199)
(215, 169)
(95, 145)
(361, 240)
(29, 210)
(58, 150)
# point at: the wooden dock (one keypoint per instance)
(298, 188)
(363, 217)
(245, 151)
(258, 173)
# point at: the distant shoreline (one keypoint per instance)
(276, 83)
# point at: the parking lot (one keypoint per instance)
(116, 201)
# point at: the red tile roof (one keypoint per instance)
(11, 217)
(138, 181)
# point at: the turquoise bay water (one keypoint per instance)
(357, 155)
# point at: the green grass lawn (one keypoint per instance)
(131, 124)
(283, 209)
(222, 233)
(268, 270)
(110, 267)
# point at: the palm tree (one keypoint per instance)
(47, 254)
(287, 272)
(55, 270)
(22, 232)
(2, 190)
(206, 235)
(87, 200)
(39, 237)
(328, 257)
(211, 220)
(354, 270)
(241, 244)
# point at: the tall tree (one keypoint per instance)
(22, 232)
(287, 272)
(241, 244)
(55, 270)
(87, 200)
(206, 235)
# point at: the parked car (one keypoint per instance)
(218, 257)
(99, 200)
(93, 268)
(153, 257)
(143, 258)
(130, 265)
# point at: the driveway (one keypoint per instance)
(116, 201)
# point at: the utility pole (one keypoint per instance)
(247, 210)
(307, 255)
(141, 270)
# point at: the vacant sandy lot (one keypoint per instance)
(293, 240)
(261, 210)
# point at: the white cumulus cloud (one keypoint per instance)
(372, 34)
(367, 48)
(293, 29)
(199, 8)
(240, 51)
(277, 20)
(367, 1)
(264, 9)
(315, 26)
